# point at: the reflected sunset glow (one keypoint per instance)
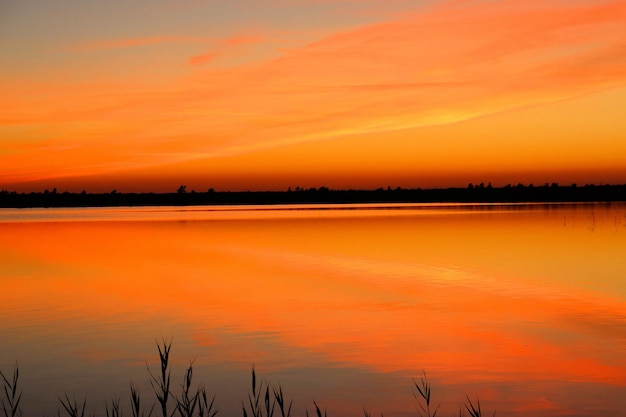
(486, 299)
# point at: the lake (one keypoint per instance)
(520, 306)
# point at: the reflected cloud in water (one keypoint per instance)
(525, 305)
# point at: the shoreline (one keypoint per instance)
(477, 194)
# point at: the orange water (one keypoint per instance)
(522, 306)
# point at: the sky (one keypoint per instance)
(269, 94)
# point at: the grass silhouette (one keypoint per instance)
(12, 395)
(264, 400)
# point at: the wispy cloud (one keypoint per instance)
(440, 65)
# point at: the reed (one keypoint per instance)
(473, 409)
(255, 406)
(73, 407)
(188, 401)
(280, 399)
(205, 407)
(264, 400)
(422, 396)
(12, 395)
(112, 409)
(161, 382)
(191, 400)
(318, 411)
(135, 404)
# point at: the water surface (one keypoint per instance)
(523, 306)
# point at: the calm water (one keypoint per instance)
(522, 306)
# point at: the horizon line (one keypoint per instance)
(182, 189)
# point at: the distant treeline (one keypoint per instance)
(181, 197)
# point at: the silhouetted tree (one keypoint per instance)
(182, 189)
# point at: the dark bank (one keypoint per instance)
(182, 197)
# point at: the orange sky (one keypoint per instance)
(271, 94)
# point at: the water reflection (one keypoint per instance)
(525, 305)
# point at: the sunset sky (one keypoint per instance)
(147, 95)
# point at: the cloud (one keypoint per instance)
(440, 65)
(443, 65)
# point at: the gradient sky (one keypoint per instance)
(266, 94)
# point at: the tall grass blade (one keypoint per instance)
(135, 403)
(260, 391)
(280, 399)
(253, 382)
(205, 408)
(114, 411)
(270, 402)
(474, 410)
(161, 384)
(72, 406)
(187, 404)
(318, 411)
(423, 397)
(12, 395)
